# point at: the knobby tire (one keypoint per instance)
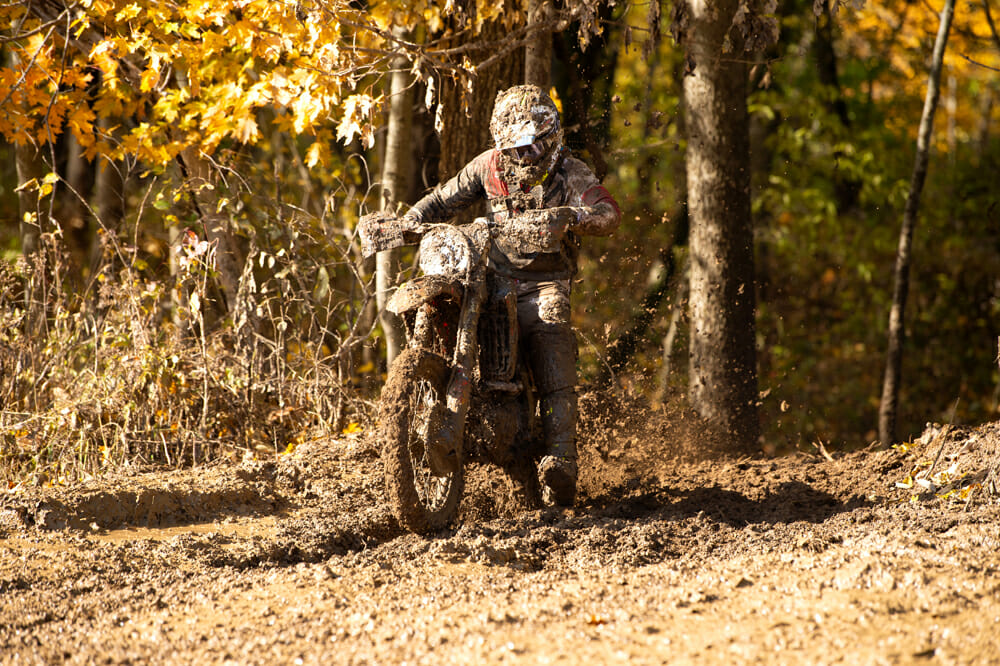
(416, 379)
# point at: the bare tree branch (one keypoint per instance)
(17, 35)
(978, 64)
(888, 407)
(989, 20)
(24, 73)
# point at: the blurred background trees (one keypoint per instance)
(180, 182)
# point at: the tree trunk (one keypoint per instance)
(983, 125)
(75, 218)
(585, 81)
(109, 204)
(846, 189)
(679, 305)
(538, 52)
(397, 167)
(649, 187)
(32, 220)
(889, 406)
(624, 347)
(723, 358)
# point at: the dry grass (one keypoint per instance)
(141, 372)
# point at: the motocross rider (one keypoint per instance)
(530, 171)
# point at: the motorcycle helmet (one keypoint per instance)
(526, 130)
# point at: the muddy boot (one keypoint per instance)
(551, 351)
(558, 478)
(557, 470)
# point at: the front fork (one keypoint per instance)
(445, 449)
(422, 328)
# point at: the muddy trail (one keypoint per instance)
(867, 557)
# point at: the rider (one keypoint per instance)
(530, 169)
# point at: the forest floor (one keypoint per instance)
(809, 558)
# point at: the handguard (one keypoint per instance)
(381, 231)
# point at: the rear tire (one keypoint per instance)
(421, 501)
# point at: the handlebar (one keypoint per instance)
(532, 231)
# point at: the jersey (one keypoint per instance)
(570, 183)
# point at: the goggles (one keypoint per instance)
(529, 154)
(528, 149)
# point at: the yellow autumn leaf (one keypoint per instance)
(128, 12)
(102, 55)
(432, 19)
(357, 111)
(149, 79)
(246, 129)
(81, 24)
(317, 154)
(382, 14)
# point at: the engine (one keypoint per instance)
(498, 332)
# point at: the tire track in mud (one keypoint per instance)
(327, 501)
(324, 502)
(318, 514)
(301, 558)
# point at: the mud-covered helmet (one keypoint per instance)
(526, 129)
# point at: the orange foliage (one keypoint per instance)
(192, 73)
(899, 35)
(195, 73)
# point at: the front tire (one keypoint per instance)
(421, 501)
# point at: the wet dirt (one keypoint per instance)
(810, 558)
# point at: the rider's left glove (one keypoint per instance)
(561, 219)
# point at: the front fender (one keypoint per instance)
(414, 293)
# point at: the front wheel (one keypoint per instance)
(421, 500)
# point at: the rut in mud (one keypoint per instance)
(810, 557)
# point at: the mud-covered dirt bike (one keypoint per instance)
(460, 390)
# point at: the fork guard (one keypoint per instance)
(424, 289)
(442, 447)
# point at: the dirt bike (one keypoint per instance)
(460, 390)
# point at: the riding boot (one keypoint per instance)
(543, 311)
(558, 469)
(552, 354)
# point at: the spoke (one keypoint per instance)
(433, 490)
